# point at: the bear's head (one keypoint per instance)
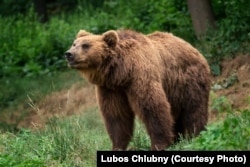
(89, 51)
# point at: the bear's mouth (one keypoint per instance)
(78, 64)
(73, 63)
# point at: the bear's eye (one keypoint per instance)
(74, 44)
(85, 46)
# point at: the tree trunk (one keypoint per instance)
(202, 16)
(41, 10)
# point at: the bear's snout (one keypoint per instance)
(69, 56)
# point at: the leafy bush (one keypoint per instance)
(152, 16)
(229, 131)
(231, 134)
(232, 34)
(31, 48)
(10, 7)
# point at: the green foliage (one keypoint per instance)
(221, 104)
(230, 131)
(231, 134)
(10, 7)
(233, 21)
(31, 48)
(151, 16)
(14, 7)
(231, 35)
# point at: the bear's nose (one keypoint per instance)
(69, 56)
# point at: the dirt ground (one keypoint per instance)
(233, 83)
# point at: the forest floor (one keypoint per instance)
(233, 83)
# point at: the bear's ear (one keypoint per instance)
(82, 33)
(111, 38)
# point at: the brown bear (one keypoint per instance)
(158, 77)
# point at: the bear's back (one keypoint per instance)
(130, 34)
(177, 53)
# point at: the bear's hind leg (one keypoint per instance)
(194, 121)
(178, 130)
(118, 117)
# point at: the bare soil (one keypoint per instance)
(236, 80)
(58, 104)
(233, 83)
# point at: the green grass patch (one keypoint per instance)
(74, 140)
(70, 141)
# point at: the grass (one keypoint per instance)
(73, 141)
(14, 89)
(64, 142)
(16, 93)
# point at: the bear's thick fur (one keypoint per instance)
(158, 77)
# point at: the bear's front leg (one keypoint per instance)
(117, 115)
(150, 103)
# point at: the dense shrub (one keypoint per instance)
(232, 34)
(230, 134)
(151, 16)
(10, 7)
(30, 48)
